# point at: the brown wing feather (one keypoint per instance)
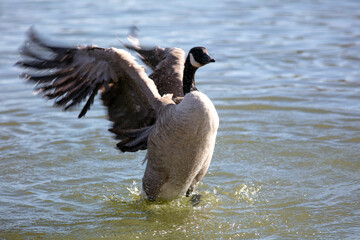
(150, 56)
(168, 75)
(69, 75)
(73, 75)
(167, 65)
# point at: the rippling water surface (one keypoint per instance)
(287, 159)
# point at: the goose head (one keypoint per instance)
(197, 57)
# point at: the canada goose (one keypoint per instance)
(179, 138)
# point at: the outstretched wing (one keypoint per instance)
(167, 65)
(72, 75)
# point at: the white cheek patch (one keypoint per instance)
(194, 62)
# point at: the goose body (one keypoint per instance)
(163, 113)
(183, 163)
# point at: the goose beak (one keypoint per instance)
(209, 59)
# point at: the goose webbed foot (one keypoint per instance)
(189, 191)
(195, 199)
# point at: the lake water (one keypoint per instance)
(286, 85)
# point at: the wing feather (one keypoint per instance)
(167, 65)
(73, 75)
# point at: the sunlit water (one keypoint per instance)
(286, 85)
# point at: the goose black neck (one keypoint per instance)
(189, 77)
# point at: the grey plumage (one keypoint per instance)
(180, 138)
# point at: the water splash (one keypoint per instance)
(134, 191)
(247, 193)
